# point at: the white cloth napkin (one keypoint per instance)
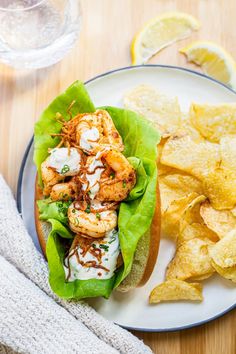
(31, 315)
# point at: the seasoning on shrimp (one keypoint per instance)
(89, 224)
(53, 168)
(90, 131)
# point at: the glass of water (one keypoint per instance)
(37, 33)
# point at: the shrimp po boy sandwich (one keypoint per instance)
(97, 207)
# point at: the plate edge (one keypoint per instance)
(21, 172)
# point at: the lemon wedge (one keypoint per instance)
(213, 59)
(160, 32)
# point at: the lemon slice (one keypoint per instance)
(161, 32)
(213, 59)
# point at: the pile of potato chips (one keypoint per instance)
(197, 178)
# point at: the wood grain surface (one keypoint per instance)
(107, 30)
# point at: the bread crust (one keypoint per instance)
(42, 236)
(155, 232)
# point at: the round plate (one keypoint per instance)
(131, 310)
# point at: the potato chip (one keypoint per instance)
(192, 224)
(192, 259)
(223, 253)
(228, 153)
(219, 186)
(187, 127)
(175, 186)
(220, 183)
(164, 170)
(174, 289)
(233, 211)
(210, 163)
(214, 122)
(196, 230)
(168, 195)
(195, 158)
(227, 273)
(192, 212)
(171, 216)
(185, 184)
(161, 145)
(163, 111)
(160, 148)
(219, 221)
(201, 277)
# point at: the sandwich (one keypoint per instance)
(97, 205)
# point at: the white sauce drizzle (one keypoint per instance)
(108, 260)
(64, 163)
(94, 178)
(88, 137)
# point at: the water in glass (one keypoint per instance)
(36, 34)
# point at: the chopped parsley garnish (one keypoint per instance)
(87, 210)
(93, 245)
(112, 175)
(73, 211)
(98, 216)
(124, 184)
(76, 221)
(112, 239)
(65, 169)
(59, 204)
(62, 207)
(104, 247)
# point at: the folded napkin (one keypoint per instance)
(32, 286)
(28, 313)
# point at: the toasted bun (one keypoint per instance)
(43, 228)
(146, 251)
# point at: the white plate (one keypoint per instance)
(131, 310)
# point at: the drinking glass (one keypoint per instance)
(37, 33)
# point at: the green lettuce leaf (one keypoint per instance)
(58, 228)
(136, 212)
(47, 123)
(59, 241)
(53, 210)
(141, 179)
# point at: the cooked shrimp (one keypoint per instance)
(91, 178)
(88, 131)
(109, 176)
(98, 129)
(111, 137)
(89, 222)
(118, 179)
(50, 177)
(64, 191)
(59, 164)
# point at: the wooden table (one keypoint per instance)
(108, 27)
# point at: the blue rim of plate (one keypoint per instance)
(20, 177)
